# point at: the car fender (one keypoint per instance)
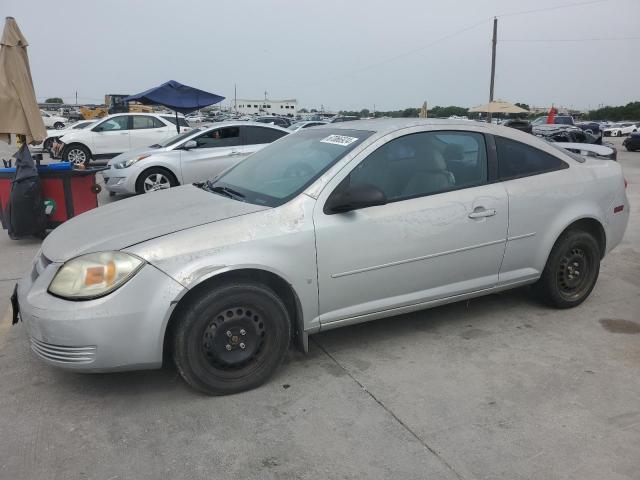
(280, 241)
(159, 161)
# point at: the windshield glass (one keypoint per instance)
(280, 171)
(175, 139)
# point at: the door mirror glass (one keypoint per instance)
(354, 198)
(188, 145)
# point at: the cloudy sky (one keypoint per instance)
(343, 54)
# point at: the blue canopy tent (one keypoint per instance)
(176, 96)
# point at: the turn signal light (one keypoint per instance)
(618, 209)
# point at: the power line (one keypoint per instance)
(547, 9)
(603, 39)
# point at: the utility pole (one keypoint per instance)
(76, 98)
(493, 61)
(235, 98)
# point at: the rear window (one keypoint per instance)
(258, 135)
(181, 120)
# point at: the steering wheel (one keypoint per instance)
(298, 170)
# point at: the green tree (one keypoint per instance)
(630, 111)
(54, 100)
(364, 112)
(303, 110)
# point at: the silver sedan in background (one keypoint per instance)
(324, 228)
(193, 156)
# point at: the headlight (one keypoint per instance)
(131, 161)
(94, 275)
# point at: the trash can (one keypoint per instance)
(66, 192)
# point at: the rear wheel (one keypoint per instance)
(154, 179)
(77, 154)
(232, 338)
(58, 125)
(571, 271)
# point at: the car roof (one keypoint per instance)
(387, 125)
(241, 123)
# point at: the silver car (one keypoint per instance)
(332, 226)
(196, 155)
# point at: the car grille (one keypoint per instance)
(62, 354)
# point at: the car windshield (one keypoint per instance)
(274, 175)
(175, 139)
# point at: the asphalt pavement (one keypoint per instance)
(495, 388)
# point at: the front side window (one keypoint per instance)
(221, 137)
(115, 123)
(258, 135)
(422, 164)
(516, 159)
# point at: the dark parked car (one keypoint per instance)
(518, 124)
(564, 133)
(343, 118)
(591, 127)
(632, 142)
(278, 121)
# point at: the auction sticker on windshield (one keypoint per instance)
(341, 140)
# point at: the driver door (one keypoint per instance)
(111, 136)
(216, 151)
(441, 233)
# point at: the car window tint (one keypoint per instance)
(115, 123)
(424, 164)
(516, 159)
(220, 137)
(140, 122)
(258, 135)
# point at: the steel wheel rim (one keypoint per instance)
(156, 181)
(76, 156)
(574, 272)
(234, 338)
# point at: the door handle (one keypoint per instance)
(124, 133)
(235, 152)
(481, 212)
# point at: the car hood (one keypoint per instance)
(135, 153)
(127, 222)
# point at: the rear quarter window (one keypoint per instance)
(516, 159)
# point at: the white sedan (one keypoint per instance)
(53, 121)
(193, 156)
(620, 129)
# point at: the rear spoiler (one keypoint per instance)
(590, 149)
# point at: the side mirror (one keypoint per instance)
(354, 198)
(190, 144)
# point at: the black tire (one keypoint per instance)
(571, 271)
(216, 363)
(58, 125)
(48, 143)
(160, 177)
(77, 154)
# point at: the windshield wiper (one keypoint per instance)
(226, 191)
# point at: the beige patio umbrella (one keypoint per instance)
(19, 112)
(498, 106)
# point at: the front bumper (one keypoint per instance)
(121, 180)
(121, 331)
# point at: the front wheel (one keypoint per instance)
(154, 179)
(619, 133)
(58, 125)
(571, 271)
(232, 338)
(77, 154)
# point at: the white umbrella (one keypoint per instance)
(498, 106)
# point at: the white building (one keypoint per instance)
(281, 108)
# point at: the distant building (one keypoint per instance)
(284, 108)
